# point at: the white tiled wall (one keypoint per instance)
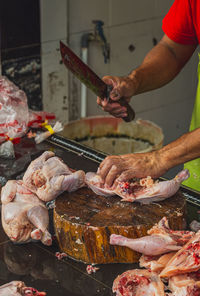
(54, 74)
(133, 22)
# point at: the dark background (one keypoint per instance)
(20, 47)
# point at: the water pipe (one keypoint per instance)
(86, 38)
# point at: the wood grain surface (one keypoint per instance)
(84, 221)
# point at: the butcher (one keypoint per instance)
(181, 28)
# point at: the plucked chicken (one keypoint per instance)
(145, 190)
(48, 176)
(24, 216)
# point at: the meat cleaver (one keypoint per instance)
(90, 79)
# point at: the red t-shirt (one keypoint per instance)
(182, 23)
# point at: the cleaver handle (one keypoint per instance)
(130, 112)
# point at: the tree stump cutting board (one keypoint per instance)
(84, 221)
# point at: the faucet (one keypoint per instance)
(99, 36)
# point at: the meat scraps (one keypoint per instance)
(155, 263)
(160, 241)
(145, 190)
(48, 176)
(187, 259)
(24, 216)
(138, 282)
(18, 288)
(185, 284)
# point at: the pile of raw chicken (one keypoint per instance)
(25, 215)
(171, 259)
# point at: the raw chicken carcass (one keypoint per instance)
(24, 216)
(144, 190)
(18, 288)
(185, 284)
(138, 283)
(179, 236)
(155, 263)
(187, 259)
(161, 240)
(48, 176)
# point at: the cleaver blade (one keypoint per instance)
(90, 78)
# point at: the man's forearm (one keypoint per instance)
(161, 65)
(184, 149)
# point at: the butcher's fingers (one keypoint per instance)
(111, 176)
(110, 168)
(125, 175)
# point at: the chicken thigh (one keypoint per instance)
(48, 176)
(24, 216)
(161, 240)
(145, 190)
(138, 283)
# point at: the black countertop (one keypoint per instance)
(36, 264)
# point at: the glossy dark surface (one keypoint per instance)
(36, 264)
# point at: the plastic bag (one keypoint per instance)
(38, 117)
(14, 114)
(7, 150)
(16, 118)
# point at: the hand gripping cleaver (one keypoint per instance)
(90, 79)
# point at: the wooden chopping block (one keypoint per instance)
(84, 221)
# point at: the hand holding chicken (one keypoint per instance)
(121, 168)
(144, 190)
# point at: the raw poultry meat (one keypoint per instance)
(161, 240)
(155, 263)
(187, 259)
(24, 216)
(145, 190)
(185, 284)
(138, 283)
(179, 236)
(18, 288)
(48, 176)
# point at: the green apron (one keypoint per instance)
(194, 165)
